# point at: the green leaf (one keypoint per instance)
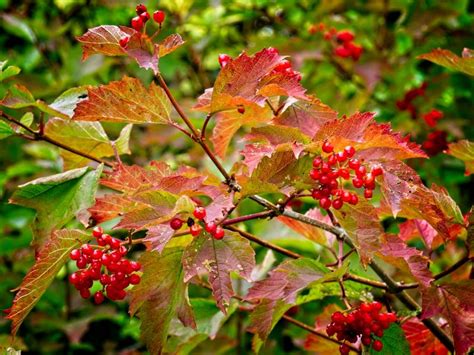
(68, 100)
(87, 137)
(394, 342)
(49, 261)
(8, 72)
(18, 97)
(18, 27)
(5, 130)
(160, 297)
(57, 199)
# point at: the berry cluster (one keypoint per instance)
(105, 263)
(138, 22)
(362, 323)
(431, 118)
(406, 104)
(343, 41)
(332, 170)
(196, 227)
(435, 143)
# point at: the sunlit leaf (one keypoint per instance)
(463, 150)
(448, 59)
(49, 261)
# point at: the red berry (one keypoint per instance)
(114, 243)
(330, 330)
(135, 265)
(75, 254)
(317, 162)
(376, 171)
(325, 203)
(224, 59)
(332, 160)
(87, 249)
(366, 340)
(350, 151)
(354, 164)
(104, 279)
(81, 263)
(199, 213)
(140, 9)
(159, 16)
(210, 227)
(377, 345)
(341, 156)
(344, 349)
(134, 279)
(314, 174)
(344, 173)
(361, 171)
(195, 230)
(241, 110)
(145, 16)
(342, 51)
(327, 147)
(368, 194)
(338, 317)
(85, 293)
(176, 223)
(357, 182)
(345, 36)
(99, 297)
(219, 233)
(337, 204)
(354, 199)
(137, 23)
(98, 231)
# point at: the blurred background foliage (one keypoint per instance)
(39, 38)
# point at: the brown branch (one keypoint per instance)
(196, 136)
(249, 217)
(38, 136)
(452, 268)
(264, 243)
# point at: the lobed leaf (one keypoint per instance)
(88, 137)
(50, 260)
(219, 258)
(57, 199)
(125, 101)
(160, 297)
(363, 227)
(421, 340)
(454, 301)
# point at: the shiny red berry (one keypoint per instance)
(345, 36)
(337, 204)
(195, 230)
(376, 171)
(134, 279)
(75, 254)
(140, 9)
(97, 232)
(219, 233)
(137, 23)
(199, 213)
(241, 110)
(145, 16)
(159, 16)
(176, 223)
(99, 297)
(210, 227)
(327, 147)
(377, 345)
(368, 194)
(325, 203)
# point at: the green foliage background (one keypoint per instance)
(39, 38)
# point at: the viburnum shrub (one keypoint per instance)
(341, 182)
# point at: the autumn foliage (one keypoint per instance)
(333, 180)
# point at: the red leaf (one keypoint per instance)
(285, 281)
(309, 117)
(417, 264)
(49, 262)
(455, 302)
(219, 258)
(104, 40)
(417, 227)
(372, 141)
(363, 227)
(421, 340)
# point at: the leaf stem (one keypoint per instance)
(196, 136)
(38, 136)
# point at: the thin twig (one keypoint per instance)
(452, 268)
(264, 243)
(42, 137)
